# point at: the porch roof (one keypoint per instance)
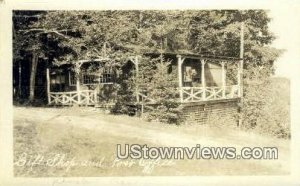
(82, 61)
(197, 56)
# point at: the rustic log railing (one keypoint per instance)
(144, 98)
(84, 97)
(195, 94)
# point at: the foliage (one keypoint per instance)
(160, 86)
(74, 35)
(119, 34)
(266, 107)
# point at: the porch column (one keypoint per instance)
(95, 96)
(48, 85)
(77, 71)
(136, 63)
(223, 79)
(180, 61)
(78, 89)
(203, 62)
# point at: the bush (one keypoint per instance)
(162, 87)
(156, 83)
(266, 107)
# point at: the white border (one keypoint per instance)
(6, 111)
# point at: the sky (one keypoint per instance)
(285, 25)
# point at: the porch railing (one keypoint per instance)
(83, 97)
(144, 98)
(194, 94)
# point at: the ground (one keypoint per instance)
(89, 136)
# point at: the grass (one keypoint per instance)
(90, 137)
(82, 144)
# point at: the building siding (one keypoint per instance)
(205, 113)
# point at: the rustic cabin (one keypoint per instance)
(85, 82)
(202, 84)
(200, 78)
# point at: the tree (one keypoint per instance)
(118, 35)
(33, 44)
(26, 45)
(161, 87)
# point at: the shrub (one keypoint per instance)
(162, 87)
(266, 107)
(156, 83)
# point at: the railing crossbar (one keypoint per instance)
(69, 98)
(192, 94)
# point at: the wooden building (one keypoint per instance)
(202, 84)
(200, 78)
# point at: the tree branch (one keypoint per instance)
(45, 31)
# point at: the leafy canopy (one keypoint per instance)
(76, 35)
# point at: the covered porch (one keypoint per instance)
(208, 91)
(69, 84)
(200, 78)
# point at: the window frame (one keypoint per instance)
(100, 78)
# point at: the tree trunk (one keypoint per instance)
(19, 95)
(34, 63)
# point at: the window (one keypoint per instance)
(89, 79)
(106, 76)
(92, 78)
(57, 79)
(72, 79)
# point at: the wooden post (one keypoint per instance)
(95, 96)
(203, 78)
(69, 77)
(78, 74)
(78, 90)
(223, 79)
(241, 64)
(48, 85)
(180, 62)
(142, 110)
(136, 62)
(88, 97)
(240, 74)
